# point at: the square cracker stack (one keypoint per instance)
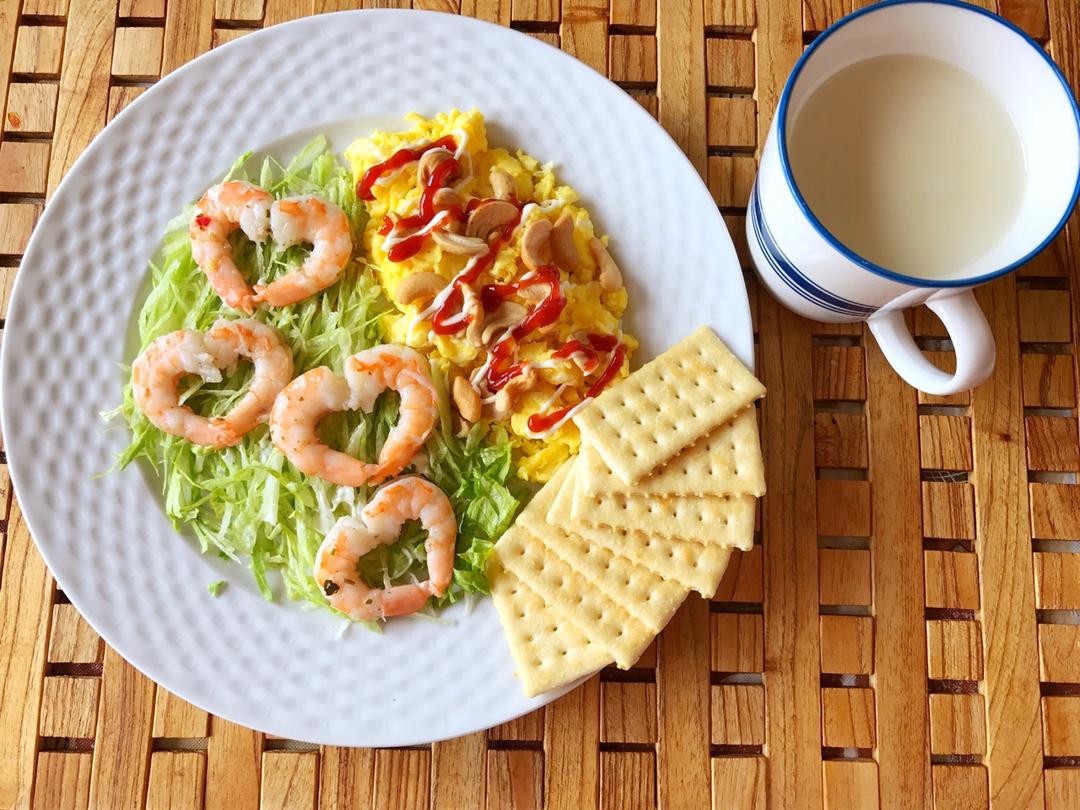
(577, 582)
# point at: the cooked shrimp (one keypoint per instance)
(157, 372)
(313, 395)
(308, 219)
(224, 208)
(336, 562)
(391, 366)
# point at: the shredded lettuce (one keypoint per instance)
(216, 587)
(248, 503)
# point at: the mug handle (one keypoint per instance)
(971, 338)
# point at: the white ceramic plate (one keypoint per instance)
(273, 666)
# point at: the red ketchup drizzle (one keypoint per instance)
(538, 423)
(452, 305)
(395, 162)
(411, 245)
(545, 313)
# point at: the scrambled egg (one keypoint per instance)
(588, 308)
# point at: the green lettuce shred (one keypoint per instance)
(249, 504)
(215, 588)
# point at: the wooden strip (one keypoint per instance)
(16, 221)
(402, 778)
(820, 14)
(526, 727)
(1062, 788)
(145, 9)
(535, 10)
(233, 762)
(188, 32)
(743, 580)
(954, 650)
(899, 629)
(1056, 576)
(738, 714)
(1029, 15)
(847, 718)
(247, 10)
(1059, 652)
(738, 15)
(957, 724)
(347, 778)
(1055, 511)
(627, 713)
(840, 440)
(640, 13)
(737, 642)
(137, 53)
(279, 11)
(71, 639)
(738, 783)
(62, 783)
(1053, 443)
(584, 31)
(952, 580)
(496, 11)
(948, 510)
(960, 787)
(847, 644)
(1044, 316)
(946, 361)
(843, 508)
(38, 49)
(945, 442)
(632, 59)
(25, 593)
(1006, 576)
(122, 739)
(84, 83)
(457, 769)
(121, 97)
(839, 372)
(627, 780)
(1048, 380)
(730, 179)
(682, 672)
(31, 109)
(850, 784)
(290, 780)
(177, 780)
(68, 707)
(732, 122)
(175, 717)
(1061, 726)
(24, 167)
(846, 578)
(571, 742)
(729, 65)
(514, 780)
(9, 15)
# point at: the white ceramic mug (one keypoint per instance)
(811, 272)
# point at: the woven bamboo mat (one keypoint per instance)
(906, 634)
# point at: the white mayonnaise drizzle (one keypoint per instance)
(395, 238)
(570, 414)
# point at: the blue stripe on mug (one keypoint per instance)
(792, 276)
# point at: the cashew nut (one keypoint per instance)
(422, 286)
(504, 399)
(445, 197)
(563, 249)
(488, 216)
(507, 314)
(429, 160)
(467, 399)
(502, 185)
(472, 307)
(456, 243)
(536, 244)
(610, 277)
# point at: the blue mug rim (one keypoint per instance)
(866, 264)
